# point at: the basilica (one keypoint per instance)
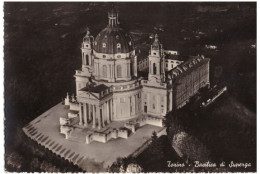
(109, 88)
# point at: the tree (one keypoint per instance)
(191, 147)
(15, 161)
(35, 164)
(134, 168)
(156, 148)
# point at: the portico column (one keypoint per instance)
(103, 115)
(80, 114)
(108, 111)
(111, 109)
(89, 111)
(85, 114)
(94, 117)
(136, 103)
(114, 108)
(105, 106)
(99, 116)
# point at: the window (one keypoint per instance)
(153, 106)
(105, 36)
(119, 56)
(118, 69)
(104, 71)
(145, 109)
(117, 36)
(86, 60)
(130, 43)
(104, 45)
(166, 64)
(154, 68)
(95, 42)
(86, 45)
(118, 45)
(154, 53)
(104, 56)
(172, 65)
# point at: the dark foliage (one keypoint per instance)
(227, 137)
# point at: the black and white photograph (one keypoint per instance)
(130, 87)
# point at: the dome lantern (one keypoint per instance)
(113, 17)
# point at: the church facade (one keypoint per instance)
(109, 88)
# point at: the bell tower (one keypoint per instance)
(156, 62)
(87, 52)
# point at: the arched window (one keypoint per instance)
(118, 70)
(104, 71)
(104, 45)
(118, 45)
(154, 68)
(86, 60)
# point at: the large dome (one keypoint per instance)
(113, 39)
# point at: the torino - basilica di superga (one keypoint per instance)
(112, 99)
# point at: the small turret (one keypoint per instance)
(156, 61)
(67, 100)
(73, 98)
(87, 50)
